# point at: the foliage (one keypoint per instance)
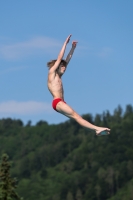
(67, 161)
(7, 184)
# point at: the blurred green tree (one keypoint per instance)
(7, 184)
(69, 196)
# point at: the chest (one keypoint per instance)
(58, 81)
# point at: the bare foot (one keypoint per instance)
(100, 130)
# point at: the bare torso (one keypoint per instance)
(55, 86)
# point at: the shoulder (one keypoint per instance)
(52, 71)
(51, 75)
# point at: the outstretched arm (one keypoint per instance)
(69, 56)
(61, 54)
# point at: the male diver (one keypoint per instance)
(56, 69)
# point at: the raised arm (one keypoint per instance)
(61, 54)
(69, 56)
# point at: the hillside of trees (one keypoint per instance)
(68, 162)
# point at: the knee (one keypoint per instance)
(75, 115)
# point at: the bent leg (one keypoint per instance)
(69, 112)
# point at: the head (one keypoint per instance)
(62, 67)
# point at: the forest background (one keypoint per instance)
(68, 162)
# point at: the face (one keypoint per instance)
(62, 69)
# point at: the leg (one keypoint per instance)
(69, 112)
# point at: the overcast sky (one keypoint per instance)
(100, 74)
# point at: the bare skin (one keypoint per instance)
(55, 86)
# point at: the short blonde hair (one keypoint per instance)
(52, 62)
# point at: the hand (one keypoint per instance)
(74, 43)
(68, 39)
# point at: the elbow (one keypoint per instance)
(59, 58)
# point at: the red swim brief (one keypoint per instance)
(55, 102)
